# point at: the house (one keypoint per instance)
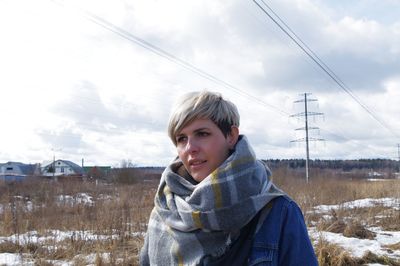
(18, 171)
(62, 167)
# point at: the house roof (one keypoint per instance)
(25, 169)
(77, 169)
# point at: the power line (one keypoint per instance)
(169, 56)
(331, 133)
(311, 54)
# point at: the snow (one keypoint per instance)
(54, 235)
(81, 198)
(29, 206)
(361, 203)
(357, 247)
(11, 259)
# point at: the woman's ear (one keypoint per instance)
(233, 136)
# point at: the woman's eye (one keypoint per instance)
(204, 134)
(180, 139)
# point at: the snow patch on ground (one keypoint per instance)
(53, 235)
(361, 203)
(81, 198)
(11, 259)
(358, 247)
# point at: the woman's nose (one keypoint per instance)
(192, 146)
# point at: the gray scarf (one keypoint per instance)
(191, 223)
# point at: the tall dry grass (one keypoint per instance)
(108, 225)
(324, 188)
(116, 213)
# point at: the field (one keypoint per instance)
(77, 222)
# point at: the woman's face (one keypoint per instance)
(202, 147)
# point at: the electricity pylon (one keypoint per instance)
(398, 153)
(306, 127)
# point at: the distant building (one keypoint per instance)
(97, 171)
(62, 167)
(18, 171)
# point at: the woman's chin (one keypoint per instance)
(199, 176)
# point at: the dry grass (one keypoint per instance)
(106, 224)
(393, 246)
(332, 255)
(370, 257)
(349, 228)
(329, 254)
(105, 228)
(328, 190)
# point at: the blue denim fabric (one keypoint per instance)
(283, 237)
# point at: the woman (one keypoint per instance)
(215, 204)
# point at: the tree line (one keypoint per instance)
(344, 165)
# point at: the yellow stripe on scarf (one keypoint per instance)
(217, 189)
(196, 219)
(179, 256)
(175, 249)
(168, 196)
(214, 178)
(167, 191)
(237, 164)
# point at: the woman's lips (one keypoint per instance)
(196, 164)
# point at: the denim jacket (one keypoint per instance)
(282, 238)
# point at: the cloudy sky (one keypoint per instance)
(95, 79)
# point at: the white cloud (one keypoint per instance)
(73, 84)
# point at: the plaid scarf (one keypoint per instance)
(193, 223)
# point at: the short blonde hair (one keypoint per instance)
(203, 105)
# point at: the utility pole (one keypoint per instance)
(398, 153)
(306, 127)
(54, 161)
(54, 164)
